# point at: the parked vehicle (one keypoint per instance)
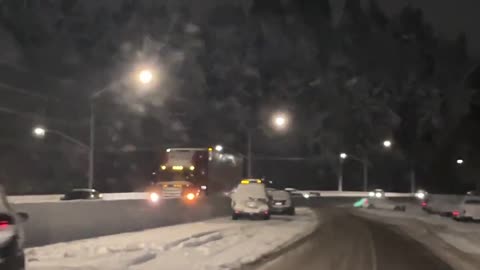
(469, 209)
(82, 194)
(250, 200)
(12, 236)
(281, 203)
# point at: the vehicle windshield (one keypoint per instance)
(240, 134)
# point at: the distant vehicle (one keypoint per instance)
(376, 199)
(12, 236)
(82, 194)
(469, 209)
(377, 193)
(421, 194)
(185, 170)
(250, 200)
(281, 203)
(174, 189)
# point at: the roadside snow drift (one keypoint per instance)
(213, 244)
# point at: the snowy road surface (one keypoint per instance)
(347, 241)
(457, 243)
(213, 244)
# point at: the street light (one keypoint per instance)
(460, 161)
(218, 148)
(280, 120)
(343, 155)
(387, 143)
(145, 76)
(39, 132)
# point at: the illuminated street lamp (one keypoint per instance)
(39, 132)
(343, 155)
(145, 76)
(280, 120)
(460, 161)
(387, 143)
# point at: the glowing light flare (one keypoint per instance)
(145, 76)
(387, 143)
(39, 132)
(190, 196)
(154, 197)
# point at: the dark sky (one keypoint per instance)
(449, 17)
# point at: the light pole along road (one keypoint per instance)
(144, 77)
(365, 163)
(279, 121)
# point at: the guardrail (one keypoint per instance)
(144, 195)
(57, 197)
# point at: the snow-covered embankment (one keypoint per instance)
(213, 244)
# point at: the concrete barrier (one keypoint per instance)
(72, 220)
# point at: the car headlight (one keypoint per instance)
(378, 195)
(420, 195)
(306, 195)
(371, 194)
(154, 197)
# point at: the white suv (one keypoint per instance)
(11, 236)
(250, 200)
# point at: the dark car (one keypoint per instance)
(11, 236)
(82, 194)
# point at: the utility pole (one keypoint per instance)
(249, 153)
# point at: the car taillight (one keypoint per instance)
(4, 224)
(456, 213)
(424, 204)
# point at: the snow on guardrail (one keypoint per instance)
(57, 197)
(144, 195)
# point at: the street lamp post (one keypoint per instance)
(279, 122)
(40, 132)
(145, 77)
(342, 157)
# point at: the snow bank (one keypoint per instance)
(213, 244)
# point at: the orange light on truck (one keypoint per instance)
(163, 167)
(192, 168)
(177, 168)
(190, 196)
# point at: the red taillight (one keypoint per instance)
(424, 204)
(456, 213)
(4, 224)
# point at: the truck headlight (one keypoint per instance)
(371, 194)
(154, 197)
